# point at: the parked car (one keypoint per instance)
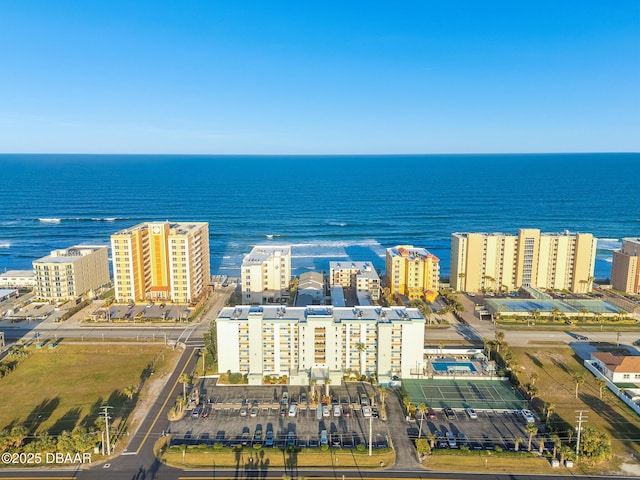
(257, 436)
(375, 413)
(268, 439)
(346, 412)
(196, 412)
(527, 415)
(336, 411)
(431, 413)
(440, 440)
(451, 440)
(293, 410)
(243, 411)
(291, 439)
(462, 439)
(324, 440)
(253, 412)
(448, 412)
(325, 411)
(472, 413)
(366, 411)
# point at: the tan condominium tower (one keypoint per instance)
(411, 271)
(67, 274)
(265, 273)
(624, 270)
(161, 261)
(503, 262)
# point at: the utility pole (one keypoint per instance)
(106, 422)
(581, 418)
(371, 435)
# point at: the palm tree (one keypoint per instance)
(531, 429)
(533, 391)
(362, 348)
(584, 312)
(327, 382)
(534, 376)
(549, 408)
(461, 276)
(554, 313)
(579, 379)
(518, 440)
(432, 439)
(130, 391)
(565, 451)
(489, 278)
(557, 443)
(185, 379)
(17, 435)
(535, 315)
(600, 383)
(313, 389)
(499, 339)
(407, 404)
(382, 393)
(422, 408)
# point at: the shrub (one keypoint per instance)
(235, 378)
(361, 448)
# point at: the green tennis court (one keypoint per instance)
(478, 394)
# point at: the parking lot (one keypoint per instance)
(142, 312)
(234, 415)
(489, 430)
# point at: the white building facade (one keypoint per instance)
(18, 279)
(265, 274)
(320, 342)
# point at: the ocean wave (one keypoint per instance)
(334, 223)
(5, 244)
(338, 255)
(606, 259)
(609, 244)
(50, 220)
(338, 243)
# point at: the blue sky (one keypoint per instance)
(319, 77)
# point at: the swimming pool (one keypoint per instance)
(451, 367)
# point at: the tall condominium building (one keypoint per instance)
(624, 270)
(316, 343)
(70, 273)
(161, 260)
(265, 273)
(411, 271)
(497, 261)
(359, 276)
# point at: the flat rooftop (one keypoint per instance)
(338, 314)
(70, 254)
(262, 253)
(177, 228)
(17, 273)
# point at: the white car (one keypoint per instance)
(472, 413)
(366, 411)
(528, 416)
(325, 411)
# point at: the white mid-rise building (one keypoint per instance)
(67, 274)
(18, 279)
(320, 342)
(266, 274)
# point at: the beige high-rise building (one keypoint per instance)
(502, 262)
(411, 271)
(359, 276)
(161, 261)
(265, 273)
(624, 270)
(70, 273)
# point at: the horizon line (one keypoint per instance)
(318, 154)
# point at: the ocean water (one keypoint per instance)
(326, 208)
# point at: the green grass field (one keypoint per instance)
(57, 389)
(555, 368)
